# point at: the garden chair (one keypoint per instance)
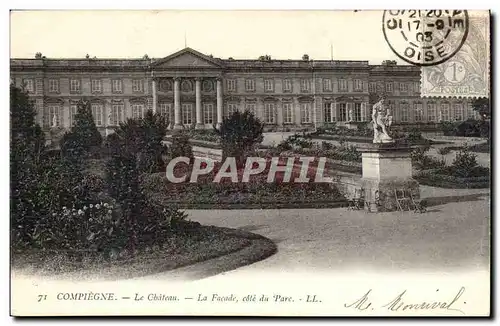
(357, 201)
(403, 199)
(418, 205)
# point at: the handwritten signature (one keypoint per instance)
(399, 303)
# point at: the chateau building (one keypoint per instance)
(196, 90)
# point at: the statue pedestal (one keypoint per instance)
(386, 169)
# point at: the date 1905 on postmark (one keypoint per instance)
(451, 47)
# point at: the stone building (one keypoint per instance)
(196, 90)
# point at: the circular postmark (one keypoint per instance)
(425, 37)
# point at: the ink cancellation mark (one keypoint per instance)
(425, 37)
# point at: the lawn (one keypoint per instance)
(199, 244)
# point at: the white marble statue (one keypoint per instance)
(54, 121)
(382, 119)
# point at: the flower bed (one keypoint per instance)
(444, 178)
(257, 193)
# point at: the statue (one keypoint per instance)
(351, 115)
(382, 119)
(54, 121)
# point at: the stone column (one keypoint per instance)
(219, 102)
(332, 113)
(177, 104)
(199, 118)
(155, 98)
(363, 111)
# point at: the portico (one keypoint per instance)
(187, 88)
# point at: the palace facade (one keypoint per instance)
(196, 90)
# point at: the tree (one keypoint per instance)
(181, 147)
(142, 138)
(27, 142)
(239, 134)
(84, 136)
(482, 106)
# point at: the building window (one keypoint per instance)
(207, 86)
(137, 111)
(29, 85)
(53, 85)
(117, 86)
(269, 113)
(305, 112)
(73, 110)
(268, 85)
(327, 85)
(287, 85)
(388, 87)
(357, 112)
(471, 113)
(358, 85)
(137, 86)
(391, 109)
(96, 86)
(231, 108)
(97, 113)
(343, 85)
(431, 112)
(404, 112)
(117, 114)
(287, 113)
(372, 87)
(403, 87)
(445, 112)
(231, 85)
(208, 113)
(305, 85)
(419, 112)
(250, 85)
(327, 112)
(166, 111)
(53, 110)
(74, 86)
(252, 108)
(187, 113)
(458, 112)
(343, 112)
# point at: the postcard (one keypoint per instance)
(250, 163)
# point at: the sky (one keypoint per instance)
(238, 34)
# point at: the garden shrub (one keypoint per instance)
(326, 146)
(465, 164)
(444, 151)
(84, 138)
(421, 160)
(181, 146)
(239, 134)
(142, 139)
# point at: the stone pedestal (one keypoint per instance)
(386, 168)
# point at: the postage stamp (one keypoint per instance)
(467, 72)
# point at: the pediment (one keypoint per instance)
(187, 58)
